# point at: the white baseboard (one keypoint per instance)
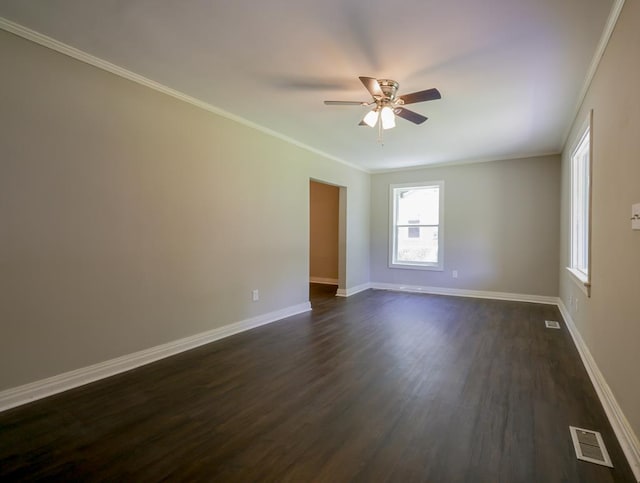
(458, 292)
(62, 382)
(626, 437)
(353, 290)
(326, 281)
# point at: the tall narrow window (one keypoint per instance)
(416, 225)
(580, 207)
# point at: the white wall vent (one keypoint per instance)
(589, 446)
(552, 324)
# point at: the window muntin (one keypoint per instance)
(416, 225)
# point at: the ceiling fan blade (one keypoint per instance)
(421, 96)
(345, 103)
(372, 86)
(414, 117)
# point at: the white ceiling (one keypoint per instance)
(510, 71)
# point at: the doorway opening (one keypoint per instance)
(327, 230)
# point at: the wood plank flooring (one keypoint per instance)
(381, 386)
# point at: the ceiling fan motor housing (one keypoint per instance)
(389, 88)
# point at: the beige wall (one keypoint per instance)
(609, 321)
(130, 219)
(500, 226)
(324, 206)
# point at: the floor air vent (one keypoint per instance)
(589, 446)
(552, 324)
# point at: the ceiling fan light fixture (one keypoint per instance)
(385, 104)
(387, 118)
(371, 118)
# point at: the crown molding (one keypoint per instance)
(616, 9)
(82, 56)
(87, 58)
(463, 162)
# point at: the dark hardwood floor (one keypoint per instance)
(381, 386)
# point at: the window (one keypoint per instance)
(416, 225)
(580, 207)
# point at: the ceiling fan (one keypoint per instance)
(386, 104)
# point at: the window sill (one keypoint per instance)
(580, 280)
(407, 266)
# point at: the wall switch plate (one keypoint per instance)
(255, 295)
(635, 216)
(454, 274)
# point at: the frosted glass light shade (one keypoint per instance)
(371, 118)
(388, 118)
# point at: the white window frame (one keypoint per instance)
(439, 265)
(581, 161)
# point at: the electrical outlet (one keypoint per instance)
(454, 274)
(255, 295)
